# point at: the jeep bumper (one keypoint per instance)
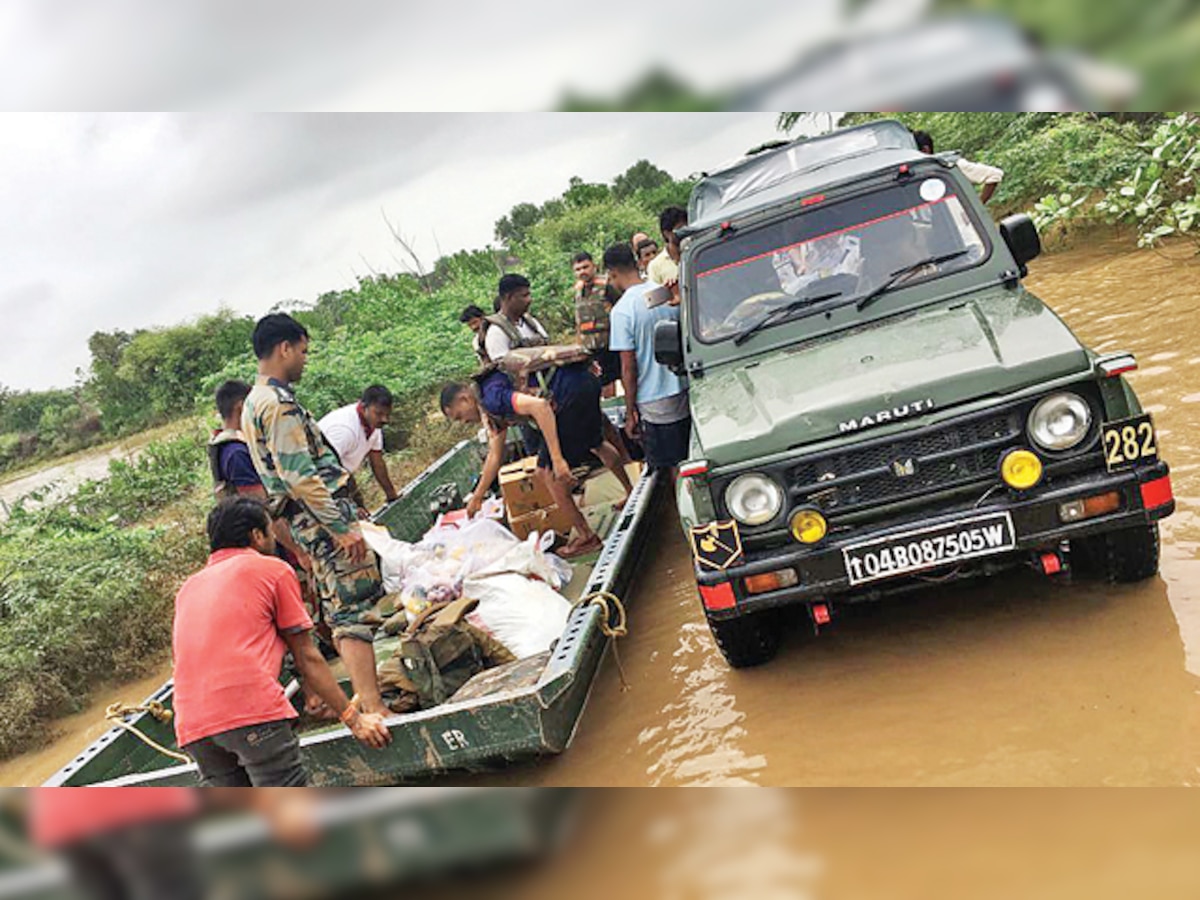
(821, 570)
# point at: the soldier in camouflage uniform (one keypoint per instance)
(302, 475)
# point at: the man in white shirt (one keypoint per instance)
(512, 326)
(355, 433)
(977, 173)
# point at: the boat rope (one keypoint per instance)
(117, 712)
(610, 604)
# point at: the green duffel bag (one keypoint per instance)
(439, 652)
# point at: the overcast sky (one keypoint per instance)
(126, 221)
(375, 54)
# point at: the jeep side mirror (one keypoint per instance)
(668, 345)
(1021, 235)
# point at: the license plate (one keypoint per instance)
(1129, 442)
(929, 548)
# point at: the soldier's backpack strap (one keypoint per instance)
(221, 488)
(538, 340)
(515, 338)
(501, 321)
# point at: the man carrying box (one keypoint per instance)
(571, 423)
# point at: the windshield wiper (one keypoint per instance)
(900, 273)
(779, 313)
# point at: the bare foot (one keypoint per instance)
(576, 547)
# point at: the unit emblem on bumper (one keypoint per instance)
(717, 545)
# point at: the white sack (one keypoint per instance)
(526, 616)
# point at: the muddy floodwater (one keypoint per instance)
(1015, 681)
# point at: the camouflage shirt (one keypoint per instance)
(591, 314)
(291, 455)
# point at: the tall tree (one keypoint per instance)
(643, 175)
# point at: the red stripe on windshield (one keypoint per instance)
(750, 259)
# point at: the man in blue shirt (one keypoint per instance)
(233, 471)
(656, 400)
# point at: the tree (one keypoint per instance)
(643, 175)
(821, 122)
(657, 91)
(511, 229)
(582, 194)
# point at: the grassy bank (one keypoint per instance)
(87, 583)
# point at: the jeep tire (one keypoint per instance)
(747, 640)
(1121, 557)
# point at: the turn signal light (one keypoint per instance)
(1100, 505)
(770, 581)
(809, 526)
(1021, 469)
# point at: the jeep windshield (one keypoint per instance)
(832, 255)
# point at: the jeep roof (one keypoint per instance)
(799, 167)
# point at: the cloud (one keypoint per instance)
(371, 54)
(126, 221)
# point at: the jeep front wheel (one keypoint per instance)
(747, 640)
(1122, 557)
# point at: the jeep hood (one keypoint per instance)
(929, 359)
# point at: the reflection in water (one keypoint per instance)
(698, 742)
(1148, 303)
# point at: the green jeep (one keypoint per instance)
(877, 401)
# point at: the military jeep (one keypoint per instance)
(878, 403)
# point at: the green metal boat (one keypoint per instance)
(369, 839)
(517, 711)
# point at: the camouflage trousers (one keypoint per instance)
(348, 590)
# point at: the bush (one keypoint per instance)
(1160, 197)
(86, 596)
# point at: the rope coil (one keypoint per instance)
(609, 604)
(116, 713)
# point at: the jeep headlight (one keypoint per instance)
(753, 499)
(1060, 421)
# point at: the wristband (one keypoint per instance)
(350, 713)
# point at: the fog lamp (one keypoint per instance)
(809, 526)
(1021, 469)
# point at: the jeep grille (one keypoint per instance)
(881, 471)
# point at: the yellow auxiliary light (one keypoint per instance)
(809, 526)
(1021, 469)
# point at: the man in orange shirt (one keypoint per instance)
(135, 843)
(234, 620)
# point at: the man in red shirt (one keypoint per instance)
(234, 620)
(121, 842)
(136, 844)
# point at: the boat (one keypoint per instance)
(506, 714)
(369, 839)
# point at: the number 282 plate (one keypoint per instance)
(929, 548)
(1129, 442)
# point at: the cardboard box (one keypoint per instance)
(541, 520)
(523, 491)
